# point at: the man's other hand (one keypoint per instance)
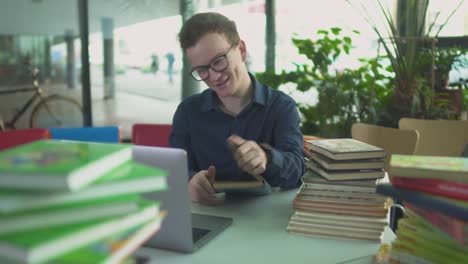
(201, 187)
(250, 157)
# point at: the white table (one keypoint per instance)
(258, 235)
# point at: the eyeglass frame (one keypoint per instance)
(209, 66)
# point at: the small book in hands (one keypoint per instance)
(253, 184)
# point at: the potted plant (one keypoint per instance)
(345, 96)
(412, 53)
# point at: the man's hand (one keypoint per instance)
(201, 187)
(250, 157)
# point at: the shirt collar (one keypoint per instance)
(259, 97)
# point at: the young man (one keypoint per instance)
(237, 126)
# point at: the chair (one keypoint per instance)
(12, 138)
(438, 137)
(156, 135)
(107, 134)
(392, 140)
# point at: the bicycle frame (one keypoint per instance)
(37, 93)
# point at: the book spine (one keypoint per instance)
(450, 225)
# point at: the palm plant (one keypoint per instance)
(407, 42)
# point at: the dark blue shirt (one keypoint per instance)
(201, 128)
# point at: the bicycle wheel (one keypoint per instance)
(57, 111)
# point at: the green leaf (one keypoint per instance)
(335, 30)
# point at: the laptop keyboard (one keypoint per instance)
(198, 233)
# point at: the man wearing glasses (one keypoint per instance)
(237, 126)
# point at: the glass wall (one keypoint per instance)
(34, 35)
(311, 16)
(135, 57)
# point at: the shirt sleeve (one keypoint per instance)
(286, 164)
(180, 137)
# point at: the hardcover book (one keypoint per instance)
(59, 165)
(253, 184)
(345, 149)
(44, 244)
(444, 205)
(452, 226)
(65, 215)
(112, 249)
(453, 169)
(326, 232)
(420, 238)
(312, 177)
(342, 199)
(445, 188)
(356, 164)
(340, 175)
(129, 178)
(343, 208)
(365, 222)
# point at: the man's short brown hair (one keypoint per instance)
(201, 24)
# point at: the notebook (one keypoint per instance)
(181, 230)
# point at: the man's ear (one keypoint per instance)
(243, 50)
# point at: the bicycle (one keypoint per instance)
(51, 111)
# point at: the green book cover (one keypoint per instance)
(419, 238)
(44, 244)
(59, 165)
(65, 215)
(128, 178)
(432, 167)
(113, 249)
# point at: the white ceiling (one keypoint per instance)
(54, 17)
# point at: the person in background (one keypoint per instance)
(238, 125)
(154, 64)
(170, 65)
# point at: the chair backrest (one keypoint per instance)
(156, 135)
(107, 134)
(392, 140)
(438, 137)
(13, 138)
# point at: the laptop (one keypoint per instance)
(181, 230)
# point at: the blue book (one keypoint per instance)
(455, 208)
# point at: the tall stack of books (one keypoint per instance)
(75, 202)
(337, 198)
(434, 191)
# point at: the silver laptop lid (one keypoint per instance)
(176, 229)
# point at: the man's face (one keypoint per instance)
(214, 49)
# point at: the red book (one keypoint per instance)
(454, 227)
(449, 189)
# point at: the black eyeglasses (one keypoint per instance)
(218, 64)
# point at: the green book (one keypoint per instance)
(68, 214)
(128, 178)
(418, 238)
(453, 169)
(59, 165)
(113, 249)
(45, 244)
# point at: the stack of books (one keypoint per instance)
(338, 196)
(75, 202)
(434, 191)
